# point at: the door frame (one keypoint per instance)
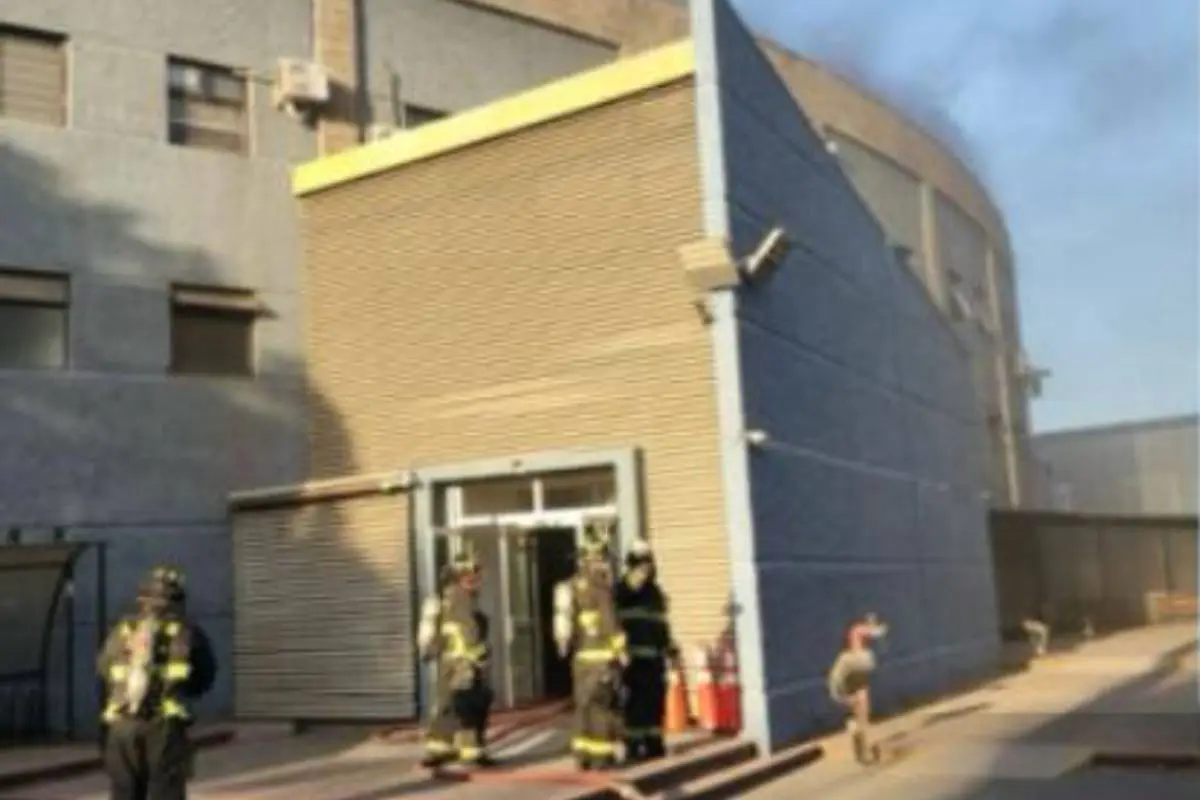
(625, 463)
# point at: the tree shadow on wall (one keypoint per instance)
(117, 450)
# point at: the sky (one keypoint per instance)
(1082, 118)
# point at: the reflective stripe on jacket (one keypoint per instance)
(151, 681)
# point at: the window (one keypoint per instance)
(34, 308)
(206, 107)
(497, 496)
(1063, 496)
(416, 116)
(579, 488)
(33, 76)
(212, 331)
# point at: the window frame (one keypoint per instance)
(60, 41)
(215, 302)
(206, 96)
(11, 297)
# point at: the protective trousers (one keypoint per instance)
(645, 704)
(484, 697)
(148, 759)
(458, 720)
(597, 713)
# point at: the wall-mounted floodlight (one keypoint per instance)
(756, 437)
(769, 253)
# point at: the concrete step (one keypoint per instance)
(736, 781)
(649, 780)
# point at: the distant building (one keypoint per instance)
(1146, 467)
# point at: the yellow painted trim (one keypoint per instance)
(562, 98)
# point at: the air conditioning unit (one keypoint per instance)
(301, 83)
(187, 79)
(377, 133)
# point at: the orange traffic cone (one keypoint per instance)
(675, 720)
(706, 690)
(729, 694)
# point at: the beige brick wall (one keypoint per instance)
(335, 37)
(522, 295)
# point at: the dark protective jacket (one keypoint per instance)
(642, 611)
(147, 666)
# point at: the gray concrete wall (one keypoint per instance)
(450, 56)
(113, 448)
(1139, 468)
(1065, 568)
(869, 495)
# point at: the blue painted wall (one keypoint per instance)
(869, 494)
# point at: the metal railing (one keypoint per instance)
(38, 630)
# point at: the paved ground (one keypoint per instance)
(1032, 736)
(1028, 737)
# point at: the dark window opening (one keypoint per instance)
(34, 321)
(212, 332)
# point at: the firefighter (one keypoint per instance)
(642, 609)
(449, 634)
(151, 664)
(849, 683)
(587, 630)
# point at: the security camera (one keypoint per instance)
(769, 253)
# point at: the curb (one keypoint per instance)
(652, 780)
(83, 765)
(746, 777)
(1147, 759)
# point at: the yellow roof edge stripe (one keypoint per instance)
(623, 77)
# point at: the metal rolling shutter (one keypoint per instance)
(324, 611)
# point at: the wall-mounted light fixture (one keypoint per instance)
(769, 253)
(756, 437)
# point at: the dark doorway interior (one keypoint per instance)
(556, 563)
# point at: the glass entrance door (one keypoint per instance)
(523, 634)
(510, 600)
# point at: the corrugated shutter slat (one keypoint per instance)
(324, 611)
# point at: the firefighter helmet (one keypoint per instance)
(639, 555)
(595, 544)
(465, 563)
(164, 583)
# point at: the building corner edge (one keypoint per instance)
(744, 605)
